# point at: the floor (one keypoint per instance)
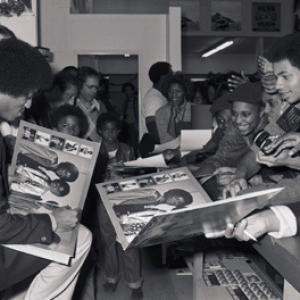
(160, 283)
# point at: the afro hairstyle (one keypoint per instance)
(74, 111)
(159, 69)
(188, 198)
(22, 68)
(68, 166)
(63, 190)
(180, 79)
(6, 33)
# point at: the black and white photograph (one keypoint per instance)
(173, 210)
(42, 138)
(149, 149)
(45, 178)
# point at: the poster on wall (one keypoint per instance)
(10, 8)
(266, 16)
(226, 15)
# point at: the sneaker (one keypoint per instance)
(110, 287)
(137, 293)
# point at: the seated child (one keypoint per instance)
(108, 127)
(70, 120)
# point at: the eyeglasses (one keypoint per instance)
(90, 87)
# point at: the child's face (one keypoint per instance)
(69, 125)
(288, 81)
(109, 132)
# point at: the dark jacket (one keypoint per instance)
(18, 229)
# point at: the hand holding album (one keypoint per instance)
(66, 218)
(254, 226)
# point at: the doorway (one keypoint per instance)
(120, 87)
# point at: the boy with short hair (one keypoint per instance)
(108, 127)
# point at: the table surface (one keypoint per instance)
(283, 255)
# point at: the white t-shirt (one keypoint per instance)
(152, 101)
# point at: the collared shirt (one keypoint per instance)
(287, 222)
(31, 181)
(92, 112)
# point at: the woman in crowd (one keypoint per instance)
(176, 114)
(64, 90)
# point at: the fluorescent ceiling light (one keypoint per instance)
(217, 49)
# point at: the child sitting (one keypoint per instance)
(108, 127)
(70, 120)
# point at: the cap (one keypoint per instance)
(249, 92)
(220, 104)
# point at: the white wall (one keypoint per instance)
(68, 35)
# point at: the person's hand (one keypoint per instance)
(19, 175)
(256, 180)
(235, 187)
(273, 160)
(289, 141)
(264, 66)
(234, 81)
(268, 78)
(172, 156)
(66, 218)
(225, 175)
(256, 225)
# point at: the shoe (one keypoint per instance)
(110, 287)
(137, 293)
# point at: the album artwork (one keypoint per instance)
(49, 171)
(170, 205)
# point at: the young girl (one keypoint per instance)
(108, 127)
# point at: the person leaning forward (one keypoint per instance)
(52, 280)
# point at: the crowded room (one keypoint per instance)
(149, 149)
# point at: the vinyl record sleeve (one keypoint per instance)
(169, 206)
(37, 154)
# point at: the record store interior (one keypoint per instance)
(149, 149)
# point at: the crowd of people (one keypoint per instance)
(255, 145)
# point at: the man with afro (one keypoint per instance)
(23, 70)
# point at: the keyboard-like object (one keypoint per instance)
(241, 278)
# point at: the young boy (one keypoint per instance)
(108, 127)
